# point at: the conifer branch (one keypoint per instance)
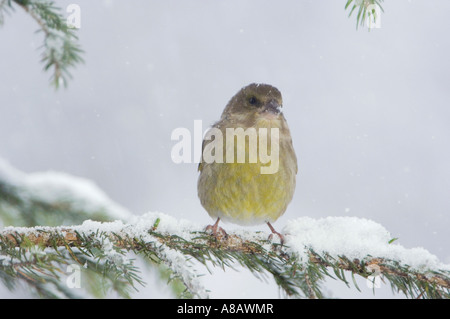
(295, 277)
(366, 9)
(61, 50)
(3, 9)
(105, 252)
(53, 198)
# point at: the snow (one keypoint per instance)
(113, 255)
(55, 44)
(53, 187)
(355, 238)
(9, 174)
(83, 193)
(352, 237)
(180, 264)
(138, 228)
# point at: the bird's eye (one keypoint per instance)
(252, 100)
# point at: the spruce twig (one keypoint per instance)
(61, 50)
(295, 278)
(363, 8)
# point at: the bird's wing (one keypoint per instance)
(215, 125)
(296, 163)
(200, 165)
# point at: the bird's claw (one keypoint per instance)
(279, 235)
(216, 231)
(276, 233)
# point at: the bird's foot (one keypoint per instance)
(279, 235)
(274, 232)
(217, 231)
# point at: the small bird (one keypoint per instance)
(240, 187)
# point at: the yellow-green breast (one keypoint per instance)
(239, 193)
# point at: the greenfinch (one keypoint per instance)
(248, 167)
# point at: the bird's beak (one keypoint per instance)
(272, 107)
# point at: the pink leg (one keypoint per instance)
(215, 229)
(276, 233)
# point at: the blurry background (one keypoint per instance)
(368, 111)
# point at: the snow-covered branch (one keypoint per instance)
(313, 250)
(106, 250)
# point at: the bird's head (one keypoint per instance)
(255, 100)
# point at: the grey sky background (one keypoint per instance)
(368, 111)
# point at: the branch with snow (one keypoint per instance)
(314, 250)
(52, 198)
(105, 250)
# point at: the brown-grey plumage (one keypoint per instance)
(238, 192)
